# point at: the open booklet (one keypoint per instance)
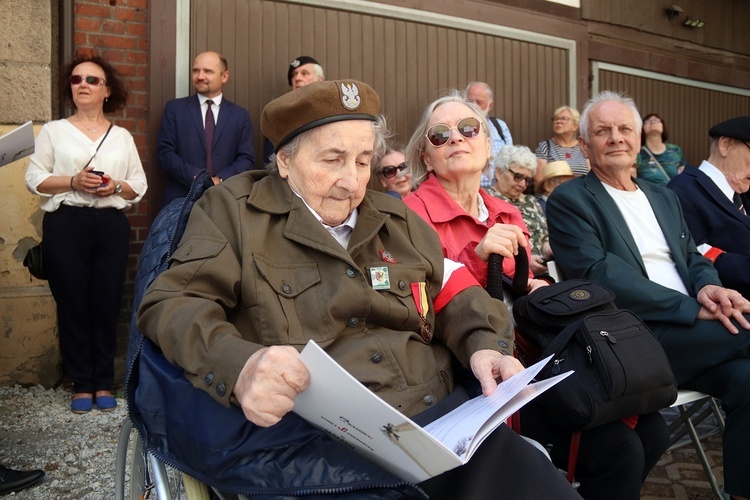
(352, 414)
(17, 144)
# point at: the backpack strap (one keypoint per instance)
(499, 129)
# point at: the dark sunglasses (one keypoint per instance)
(91, 80)
(391, 171)
(518, 177)
(440, 133)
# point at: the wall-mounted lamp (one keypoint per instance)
(694, 23)
(674, 11)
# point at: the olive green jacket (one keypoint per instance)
(255, 268)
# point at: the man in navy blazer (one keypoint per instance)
(183, 151)
(631, 237)
(708, 193)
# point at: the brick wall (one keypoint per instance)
(118, 31)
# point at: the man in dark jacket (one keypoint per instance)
(713, 198)
(204, 130)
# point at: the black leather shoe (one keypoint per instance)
(14, 480)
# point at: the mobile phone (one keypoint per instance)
(100, 174)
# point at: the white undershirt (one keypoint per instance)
(652, 245)
(719, 179)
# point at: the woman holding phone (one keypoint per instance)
(86, 171)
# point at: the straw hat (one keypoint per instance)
(554, 169)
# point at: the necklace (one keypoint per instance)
(93, 130)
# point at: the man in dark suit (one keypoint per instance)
(713, 198)
(631, 237)
(183, 148)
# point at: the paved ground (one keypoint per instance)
(679, 474)
(78, 451)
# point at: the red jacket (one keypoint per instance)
(459, 232)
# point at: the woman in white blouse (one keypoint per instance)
(86, 171)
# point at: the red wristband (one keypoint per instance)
(713, 254)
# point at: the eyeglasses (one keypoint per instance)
(91, 80)
(440, 133)
(518, 177)
(653, 120)
(564, 119)
(391, 171)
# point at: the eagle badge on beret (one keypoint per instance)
(295, 63)
(351, 99)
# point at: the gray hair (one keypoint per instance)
(290, 148)
(319, 71)
(516, 155)
(608, 96)
(485, 86)
(417, 145)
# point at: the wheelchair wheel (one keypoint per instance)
(140, 475)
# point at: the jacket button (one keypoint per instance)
(429, 400)
(221, 389)
(209, 378)
(376, 358)
(502, 344)
(286, 288)
(352, 273)
(402, 285)
(353, 322)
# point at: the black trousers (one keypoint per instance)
(613, 459)
(707, 358)
(85, 254)
(504, 466)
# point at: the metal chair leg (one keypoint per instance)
(699, 450)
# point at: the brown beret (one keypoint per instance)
(317, 104)
(735, 128)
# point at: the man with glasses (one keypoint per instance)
(204, 130)
(481, 94)
(714, 200)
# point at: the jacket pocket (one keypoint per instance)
(401, 304)
(191, 256)
(291, 306)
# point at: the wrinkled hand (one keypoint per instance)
(489, 366)
(535, 284)
(537, 265)
(268, 384)
(502, 239)
(723, 304)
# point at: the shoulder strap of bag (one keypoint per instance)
(657, 163)
(497, 126)
(100, 145)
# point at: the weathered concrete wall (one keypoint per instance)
(29, 351)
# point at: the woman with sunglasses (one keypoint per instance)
(448, 152)
(394, 173)
(515, 167)
(658, 161)
(563, 145)
(87, 171)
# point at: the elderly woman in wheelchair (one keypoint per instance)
(270, 260)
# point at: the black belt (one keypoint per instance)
(92, 211)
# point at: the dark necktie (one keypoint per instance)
(210, 128)
(738, 203)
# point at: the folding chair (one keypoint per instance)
(694, 407)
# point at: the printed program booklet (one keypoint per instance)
(17, 144)
(350, 413)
